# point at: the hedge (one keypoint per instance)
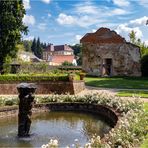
(41, 77)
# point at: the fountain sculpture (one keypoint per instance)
(26, 101)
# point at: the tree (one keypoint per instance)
(144, 65)
(66, 63)
(132, 36)
(138, 42)
(39, 50)
(27, 45)
(78, 52)
(34, 46)
(11, 27)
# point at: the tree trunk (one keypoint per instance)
(1, 67)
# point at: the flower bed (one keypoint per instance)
(131, 128)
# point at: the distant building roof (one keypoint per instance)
(65, 47)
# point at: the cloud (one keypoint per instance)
(49, 14)
(86, 8)
(139, 21)
(46, 1)
(78, 37)
(118, 11)
(29, 20)
(60, 35)
(82, 21)
(121, 3)
(42, 26)
(143, 2)
(124, 30)
(26, 4)
(29, 38)
(93, 30)
(88, 13)
(146, 42)
(64, 19)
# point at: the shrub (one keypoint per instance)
(66, 63)
(9, 102)
(144, 66)
(34, 77)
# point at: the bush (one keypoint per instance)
(9, 102)
(66, 63)
(35, 77)
(144, 66)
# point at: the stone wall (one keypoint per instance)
(106, 44)
(108, 114)
(48, 87)
(125, 59)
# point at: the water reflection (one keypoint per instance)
(64, 126)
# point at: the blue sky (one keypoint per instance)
(66, 21)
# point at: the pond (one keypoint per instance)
(63, 126)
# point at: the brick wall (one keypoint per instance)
(47, 87)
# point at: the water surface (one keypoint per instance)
(64, 126)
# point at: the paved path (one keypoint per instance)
(111, 91)
(91, 90)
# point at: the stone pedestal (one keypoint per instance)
(26, 101)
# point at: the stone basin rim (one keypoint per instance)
(108, 113)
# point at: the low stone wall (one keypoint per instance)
(105, 112)
(108, 114)
(8, 111)
(48, 87)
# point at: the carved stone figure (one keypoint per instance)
(26, 101)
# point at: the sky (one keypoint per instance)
(67, 21)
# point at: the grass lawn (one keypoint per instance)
(116, 82)
(130, 93)
(145, 143)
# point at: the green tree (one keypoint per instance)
(27, 45)
(34, 46)
(144, 65)
(39, 50)
(132, 36)
(78, 52)
(11, 27)
(138, 42)
(66, 63)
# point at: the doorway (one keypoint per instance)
(107, 67)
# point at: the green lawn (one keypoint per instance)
(116, 82)
(145, 143)
(130, 93)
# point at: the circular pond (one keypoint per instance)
(63, 126)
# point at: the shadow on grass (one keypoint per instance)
(116, 82)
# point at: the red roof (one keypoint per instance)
(102, 35)
(62, 58)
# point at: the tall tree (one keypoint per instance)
(138, 42)
(132, 36)
(11, 27)
(39, 50)
(27, 44)
(34, 45)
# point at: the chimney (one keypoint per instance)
(51, 47)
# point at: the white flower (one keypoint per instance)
(76, 140)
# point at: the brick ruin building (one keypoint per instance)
(105, 53)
